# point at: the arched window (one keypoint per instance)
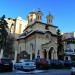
(39, 17)
(47, 36)
(31, 20)
(49, 20)
(20, 27)
(46, 27)
(33, 51)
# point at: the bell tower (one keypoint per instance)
(39, 15)
(31, 17)
(49, 19)
(34, 16)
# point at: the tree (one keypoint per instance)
(60, 50)
(9, 52)
(3, 31)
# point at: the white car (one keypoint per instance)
(26, 65)
(73, 71)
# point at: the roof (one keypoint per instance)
(70, 39)
(32, 32)
(41, 23)
(36, 31)
(32, 12)
(70, 54)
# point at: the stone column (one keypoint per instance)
(47, 54)
(69, 57)
(1, 53)
(55, 54)
(31, 56)
(15, 58)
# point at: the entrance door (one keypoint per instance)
(50, 53)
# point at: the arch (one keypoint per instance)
(33, 51)
(50, 53)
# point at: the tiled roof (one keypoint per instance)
(41, 23)
(36, 31)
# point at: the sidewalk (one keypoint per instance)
(35, 71)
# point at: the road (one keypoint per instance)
(49, 72)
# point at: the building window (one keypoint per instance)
(33, 51)
(74, 50)
(47, 36)
(39, 17)
(46, 27)
(49, 20)
(20, 27)
(31, 20)
(31, 15)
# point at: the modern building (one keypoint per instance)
(69, 45)
(16, 27)
(39, 39)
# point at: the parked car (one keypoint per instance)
(73, 63)
(25, 65)
(42, 64)
(6, 64)
(68, 63)
(56, 63)
(72, 70)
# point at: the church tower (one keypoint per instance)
(34, 16)
(31, 17)
(49, 19)
(39, 15)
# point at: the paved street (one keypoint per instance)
(50, 72)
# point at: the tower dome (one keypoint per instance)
(39, 15)
(49, 18)
(31, 17)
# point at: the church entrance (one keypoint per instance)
(50, 53)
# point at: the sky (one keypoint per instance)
(62, 10)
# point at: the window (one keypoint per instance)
(31, 20)
(39, 17)
(49, 20)
(20, 27)
(31, 15)
(46, 27)
(47, 36)
(74, 50)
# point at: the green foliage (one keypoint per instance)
(9, 46)
(4, 35)
(71, 42)
(59, 45)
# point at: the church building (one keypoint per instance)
(39, 39)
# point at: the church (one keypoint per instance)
(39, 39)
